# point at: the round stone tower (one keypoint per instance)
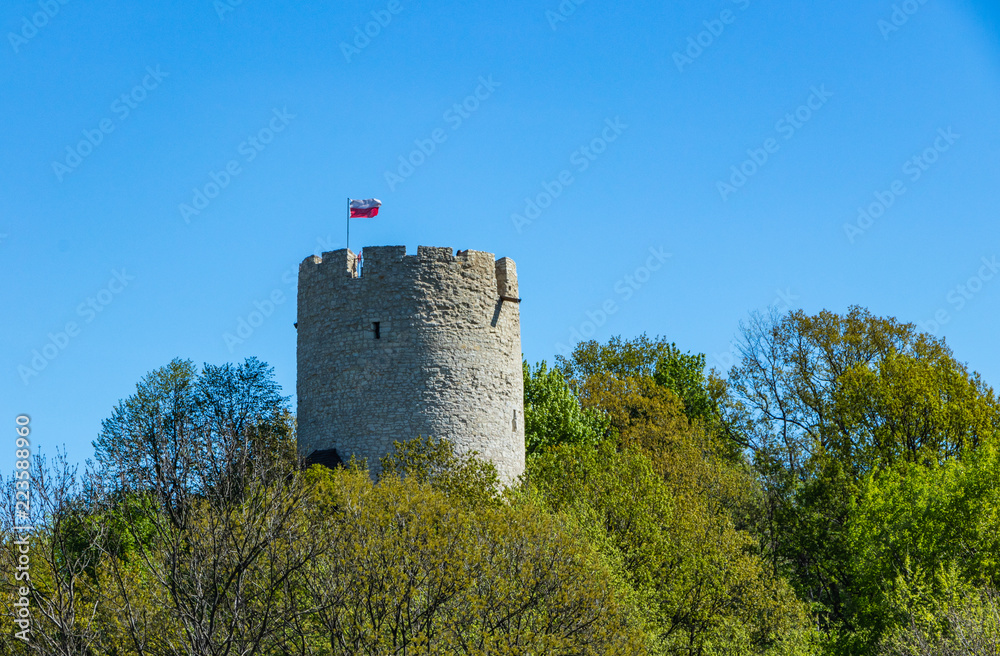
(410, 345)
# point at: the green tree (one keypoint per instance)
(911, 523)
(210, 454)
(185, 431)
(414, 569)
(552, 412)
(956, 620)
(656, 359)
(626, 382)
(434, 462)
(820, 402)
(696, 577)
(60, 582)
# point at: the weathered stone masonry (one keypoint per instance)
(426, 344)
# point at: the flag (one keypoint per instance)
(365, 209)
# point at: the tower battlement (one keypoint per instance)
(426, 344)
(393, 260)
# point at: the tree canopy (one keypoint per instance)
(836, 492)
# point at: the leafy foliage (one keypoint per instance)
(661, 498)
(644, 358)
(696, 578)
(552, 412)
(189, 432)
(435, 463)
(820, 402)
(410, 569)
(838, 493)
(931, 519)
(957, 621)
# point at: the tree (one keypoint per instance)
(212, 452)
(435, 463)
(64, 598)
(552, 412)
(628, 383)
(665, 499)
(619, 358)
(960, 622)
(820, 402)
(865, 389)
(700, 586)
(414, 567)
(185, 432)
(657, 359)
(933, 528)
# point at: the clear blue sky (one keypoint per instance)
(171, 95)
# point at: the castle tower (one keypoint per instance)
(426, 344)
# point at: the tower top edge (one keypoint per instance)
(387, 256)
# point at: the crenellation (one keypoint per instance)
(342, 262)
(380, 259)
(480, 259)
(435, 254)
(506, 273)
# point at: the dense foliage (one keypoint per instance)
(552, 413)
(856, 411)
(836, 492)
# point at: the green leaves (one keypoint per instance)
(183, 431)
(845, 476)
(696, 581)
(413, 569)
(552, 412)
(644, 358)
(921, 406)
(911, 523)
(434, 462)
(661, 497)
(860, 428)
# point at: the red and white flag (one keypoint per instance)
(365, 209)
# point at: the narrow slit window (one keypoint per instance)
(513, 422)
(375, 327)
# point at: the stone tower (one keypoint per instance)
(426, 344)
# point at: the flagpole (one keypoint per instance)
(348, 223)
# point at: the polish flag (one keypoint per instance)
(365, 209)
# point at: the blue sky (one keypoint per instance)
(681, 166)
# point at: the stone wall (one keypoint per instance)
(426, 344)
